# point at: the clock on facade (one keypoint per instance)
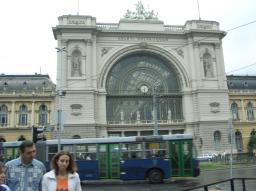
(144, 89)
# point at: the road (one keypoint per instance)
(180, 184)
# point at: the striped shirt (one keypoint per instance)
(20, 177)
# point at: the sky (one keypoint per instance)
(27, 43)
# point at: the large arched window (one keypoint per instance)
(234, 111)
(249, 111)
(131, 84)
(239, 141)
(23, 115)
(43, 113)
(3, 115)
(217, 139)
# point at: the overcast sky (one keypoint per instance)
(27, 43)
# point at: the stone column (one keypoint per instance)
(197, 61)
(243, 117)
(12, 117)
(220, 70)
(33, 113)
(89, 66)
(94, 63)
(192, 62)
(64, 65)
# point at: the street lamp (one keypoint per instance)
(60, 94)
(155, 112)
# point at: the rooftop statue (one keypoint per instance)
(141, 13)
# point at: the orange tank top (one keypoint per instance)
(62, 184)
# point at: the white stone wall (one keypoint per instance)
(205, 99)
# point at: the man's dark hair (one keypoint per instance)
(25, 144)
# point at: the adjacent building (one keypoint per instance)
(242, 103)
(25, 100)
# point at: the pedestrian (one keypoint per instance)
(25, 173)
(63, 176)
(3, 187)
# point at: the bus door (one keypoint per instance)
(109, 161)
(180, 153)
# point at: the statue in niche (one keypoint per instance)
(207, 62)
(76, 64)
(138, 115)
(169, 114)
(122, 115)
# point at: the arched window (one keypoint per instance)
(43, 113)
(249, 111)
(234, 111)
(130, 86)
(208, 68)
(76, 64)
(3, 115)
(239, 141)
(217, 139)
(23, 115)
(76, 137)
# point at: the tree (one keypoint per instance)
(252, 143)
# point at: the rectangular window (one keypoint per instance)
(3, 119)
(42, 119)
(23, 119)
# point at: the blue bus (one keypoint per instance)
(127, 158)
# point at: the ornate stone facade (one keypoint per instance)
(25, 100)
(242, 103)
(123, 65)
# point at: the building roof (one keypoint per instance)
(241, 82)
(36, 82)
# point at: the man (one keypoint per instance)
(25, 173)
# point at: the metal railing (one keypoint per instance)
(231, 182)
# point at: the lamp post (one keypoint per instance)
(60, 94)
(231, 146)
(155, 112)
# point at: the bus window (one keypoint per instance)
(156, 150)
(132, 151)
(85, 152)
(52, 150)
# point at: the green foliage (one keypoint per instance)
(252, 143)
(212, 166)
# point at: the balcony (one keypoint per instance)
(146, 122)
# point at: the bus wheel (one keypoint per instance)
(155, 176)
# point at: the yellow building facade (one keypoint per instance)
(242, 100)
(25, 101)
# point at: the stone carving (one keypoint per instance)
(76, 64)
(141, 13)
(76, 109)
(169, 114)
(180, 52)
(215, 107)
(122, 115)
(138, 115)
(143, 45)
(104, 51)
(207, 63)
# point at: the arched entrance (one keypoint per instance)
(131, 84)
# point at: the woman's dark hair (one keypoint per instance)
(71, 167)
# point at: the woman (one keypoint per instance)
(62, 177)
(3, 187)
